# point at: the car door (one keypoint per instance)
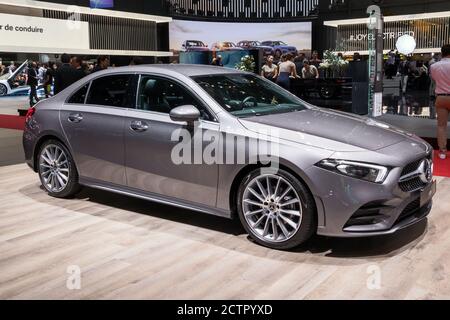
(149, 144)
(93, 120)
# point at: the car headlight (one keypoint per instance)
(359, 170)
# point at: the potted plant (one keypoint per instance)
(333, 65)
(247, 63)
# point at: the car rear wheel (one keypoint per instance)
(57, 170)
(276, 209)
(3, 90)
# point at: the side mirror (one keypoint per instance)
(187, 113)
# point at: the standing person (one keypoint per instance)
(217, 61)
(77, 64)
(12, 67)
(49, 76)
(41, 72)
(432, 91)
(102, 64)
(309, 71)
(405, 70)
(32, 81)
(286, 70)
(440, 72)
(269, 70)
(390, 65)
(357, 56)
(66, 75)
(315, 60)
(299, 62)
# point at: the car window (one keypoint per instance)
(246, 95)
(79, 97)
(162, 95)
(111, 91)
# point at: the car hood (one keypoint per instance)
(330, 130)
(198, 48)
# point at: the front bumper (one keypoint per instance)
(356, 208)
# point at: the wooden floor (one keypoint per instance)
(128, 248)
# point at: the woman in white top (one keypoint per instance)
(269, 70)
(286, 70)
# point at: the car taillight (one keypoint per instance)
(30, 113)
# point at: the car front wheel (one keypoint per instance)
(57, 170)
(3, 90)
(276, 209)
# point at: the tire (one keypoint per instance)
(327, 92)
(52, 173)
(3, 90)
(296, 206)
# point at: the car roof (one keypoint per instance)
(189, 70)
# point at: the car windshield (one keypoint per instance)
(256, 43)
(279, 43)
(228, 44)
(246, 95)
(195, 44)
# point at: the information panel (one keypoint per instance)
(33, 32)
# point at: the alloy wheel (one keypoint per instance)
(3, 90)
(54, 168)
(272, 208)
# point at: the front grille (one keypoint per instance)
(412, 185)
(414, 182)
(411, 167)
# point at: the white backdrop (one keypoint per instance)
(33, 32)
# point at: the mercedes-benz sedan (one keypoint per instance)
(182, 135)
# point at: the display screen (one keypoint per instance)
(101, 4)
(272, 38)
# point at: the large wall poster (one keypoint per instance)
(273, 38)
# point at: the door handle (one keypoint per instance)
(75, 117)
(139, 126)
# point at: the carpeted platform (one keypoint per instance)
(12, 122)
(441, 167)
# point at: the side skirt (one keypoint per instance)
(155, 198)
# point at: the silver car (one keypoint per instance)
(332, 173)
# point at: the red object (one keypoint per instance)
(441, 167)
(30, 113)
(12, 122)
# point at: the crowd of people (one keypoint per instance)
(291, 67)
(54, 75)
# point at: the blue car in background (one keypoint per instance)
(279, 47)
(255, 45)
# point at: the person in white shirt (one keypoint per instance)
(440, 72)
(42, 71)
(309, 71)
